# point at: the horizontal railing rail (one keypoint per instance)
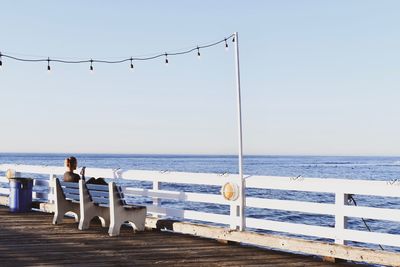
(326, 185)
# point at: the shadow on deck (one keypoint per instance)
(31, 240)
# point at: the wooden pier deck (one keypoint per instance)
(31, 240)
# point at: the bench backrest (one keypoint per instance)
(70, 190)
(99, 194)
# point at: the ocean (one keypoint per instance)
(341, 167)
(349, 167)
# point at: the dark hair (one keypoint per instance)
(71, 161)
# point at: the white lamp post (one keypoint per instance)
(242, 184)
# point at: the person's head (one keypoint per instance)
(71, 163)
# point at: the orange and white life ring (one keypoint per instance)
(230, 191)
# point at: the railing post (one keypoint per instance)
(156, 200)
(36, 195)
(234, 213)
(52, 182)
(237, 207)
(341, 199)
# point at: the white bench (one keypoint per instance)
(66, 200)
(108, 203)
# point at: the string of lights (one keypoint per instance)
(128, 59)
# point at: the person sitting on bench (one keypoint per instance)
(69, 176)
(98, 181)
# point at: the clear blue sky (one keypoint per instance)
(318, 77)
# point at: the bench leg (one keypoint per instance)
(105, 222)
(84, 223)
(60, 203)
(76, 216)
(63, 206)
(115, 228)
(58, 217)
(137, 219)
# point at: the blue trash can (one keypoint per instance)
(20, 198)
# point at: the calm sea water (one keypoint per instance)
(372, 168)
(369, 168)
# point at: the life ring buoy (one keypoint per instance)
(230, 191)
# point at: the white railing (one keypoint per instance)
(340, 209)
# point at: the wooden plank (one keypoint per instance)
(97, 187)
(279, 242)
(69, 185)
(71, 190)
(73, 197)
(100, 200)
(283, 243)
(98, 193)
(27, 243)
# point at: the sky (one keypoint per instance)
(318, 77)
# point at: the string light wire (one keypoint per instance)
(131, 59)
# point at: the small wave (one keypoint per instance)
(337, 163)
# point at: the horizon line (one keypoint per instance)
(197, 154)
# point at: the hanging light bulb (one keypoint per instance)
(233, 39)
(48, 64)
(91, 65)
(226, 45)
(166, 58)
(1, 62)
(198, 52)
(131, 63)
